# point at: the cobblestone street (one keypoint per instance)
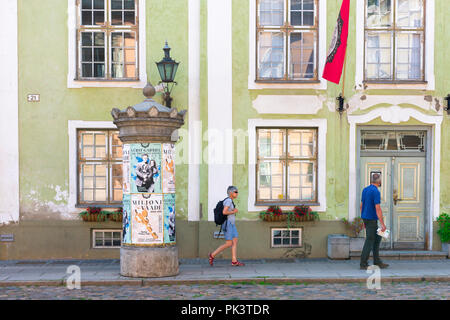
(398, 290)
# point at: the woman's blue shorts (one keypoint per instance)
(230, 231)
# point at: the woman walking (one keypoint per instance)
(230, 231)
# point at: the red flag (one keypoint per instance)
(336, 53)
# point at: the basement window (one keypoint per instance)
(286, 237)
(106, 238)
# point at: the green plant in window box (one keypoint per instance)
(94, 214)
(116, 215)
(273, 213)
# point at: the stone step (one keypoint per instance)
(405, 255)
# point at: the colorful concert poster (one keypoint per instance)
(147, 218)
(168, 165)
(126, 220)
(169, 218)
(145, 163)
(126, 168)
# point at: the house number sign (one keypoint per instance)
(34, 97)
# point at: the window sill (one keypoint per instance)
(299, 85)
(417, 85)
(112, 206)
(286, 204)
(72, 84)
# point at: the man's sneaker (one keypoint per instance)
(363, 266)
(382, 265)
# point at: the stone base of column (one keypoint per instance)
(149, 262)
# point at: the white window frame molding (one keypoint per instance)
(73, 126)
(72, 54)
(321, 85)
(396, 115)
(321, 124)
(428, 51)
(9, 121)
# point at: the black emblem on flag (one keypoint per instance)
(336, 41)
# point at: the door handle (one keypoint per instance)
(395, 197)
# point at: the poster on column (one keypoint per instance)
(126, 221)
(168, 165)
(126, 168)
(147, 218)
(145, 160)
(169, 218)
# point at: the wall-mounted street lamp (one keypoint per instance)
(340, 100)
(447, 108)
(167, 68)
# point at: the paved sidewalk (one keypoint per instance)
(198, 271)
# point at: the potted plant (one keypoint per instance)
(273, 213)
(444, 231)
(356, 226)
(116, 215)
(302, 213)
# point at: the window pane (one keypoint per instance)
(86, 54)
(302, 12)
(130, 71)
(93, 50)
(409, 13)
(88, 152)
(271, 12)
(117, 71)
(270, 180)
(302, 57)
(116, 17)
(99, 4)
(128, 4)
(88, 182)
(379, 13)
(100, 139)
(271, 142)
(378, 55)
(301, 143)
(86, 18)
(99, 17)
(88, 195)
(409, 56)
(271, 55)
(99, 39)
(86, 38)
(116, 4)
(128, 17)
(86, 4)
(99, 70)
(100, 195)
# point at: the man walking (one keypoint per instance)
(371, 213)
(230, 231)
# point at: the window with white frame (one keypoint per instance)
(99, 167)
(287, 40)
(286, 168)
(286, 237)
(110, 238)
(107, 40)
(394, 40)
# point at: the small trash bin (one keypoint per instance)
(338, 246)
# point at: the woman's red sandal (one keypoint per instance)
(237, 264)
(211, 259)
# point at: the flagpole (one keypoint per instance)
(343, 76)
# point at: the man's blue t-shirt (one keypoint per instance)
(370, 197)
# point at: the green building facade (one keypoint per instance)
(259, 116)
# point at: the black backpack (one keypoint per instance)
(219, 217)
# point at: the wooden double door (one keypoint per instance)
(403, 197)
